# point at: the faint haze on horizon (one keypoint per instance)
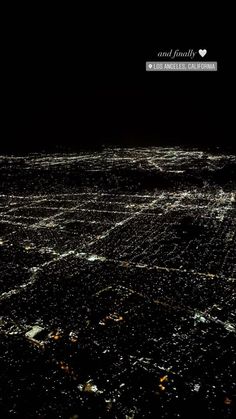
(128, 117)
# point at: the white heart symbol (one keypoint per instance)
(202, 52)
(150, 65)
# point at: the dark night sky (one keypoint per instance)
(69, 94)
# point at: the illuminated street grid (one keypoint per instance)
(118, 284)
